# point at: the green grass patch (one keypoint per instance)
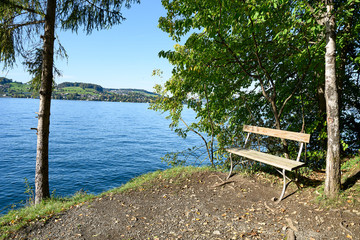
(15, 219)
(78, 90)
(149, 179)
(349, 195)
(351, 164)
(19, 87)
(145, 93)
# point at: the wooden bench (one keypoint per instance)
(278, 162)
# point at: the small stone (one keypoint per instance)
(217, 232)
(290, 235)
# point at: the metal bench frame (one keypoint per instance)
(278, 162)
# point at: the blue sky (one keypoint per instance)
(122, 57)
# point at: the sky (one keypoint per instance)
(122, 57)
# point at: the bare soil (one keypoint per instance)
(201, 206)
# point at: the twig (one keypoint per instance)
(291, 225)
(221, 184)
(343, 227)
(217, 177)
(272, 210)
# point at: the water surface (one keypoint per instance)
(94, 146)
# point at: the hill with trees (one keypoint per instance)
(76, 91)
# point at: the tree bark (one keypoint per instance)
(42, 152)
(333, 174)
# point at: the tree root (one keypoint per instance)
(222, 182)
(343, 227)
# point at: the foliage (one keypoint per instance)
(4, 80)
(251, 62)
(29, 190)
(22, 22)
(81, 85)
(34, 64)
(190, 156)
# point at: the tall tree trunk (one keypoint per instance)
(333, 174)
(322, 113)
(42, 152)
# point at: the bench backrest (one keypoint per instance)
(300, 137)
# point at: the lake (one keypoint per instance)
(94, 146)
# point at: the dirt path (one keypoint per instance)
(192, 208)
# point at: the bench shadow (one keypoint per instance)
(351, 180)
(289, 195)
(308, 182)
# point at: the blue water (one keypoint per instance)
(94, 146)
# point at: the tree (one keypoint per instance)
(42, 189)
(248, 63)
(262, 62)
(21, 22)
(333, 84)
(333, 173)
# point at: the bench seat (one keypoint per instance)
(269, 159)
(284, 164)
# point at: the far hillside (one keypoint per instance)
(76, 91)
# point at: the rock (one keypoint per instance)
(217, 232)
(290, 235)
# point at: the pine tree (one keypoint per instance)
(20, 26)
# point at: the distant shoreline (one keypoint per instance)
(80, 100)
(77, 91)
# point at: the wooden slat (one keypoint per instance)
(272, 160)
(300, 137)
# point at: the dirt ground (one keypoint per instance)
(201, 207)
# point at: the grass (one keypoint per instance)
(147, 180)
(349, 195)
(78, 90)
(19, 87)
(16, 219)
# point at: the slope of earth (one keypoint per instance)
(200, 206)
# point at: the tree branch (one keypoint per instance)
(15, 26)
(262, 67)
(319, 19)
(212, 125)
(193, 130)
(235, 57)
(12, 4)
(105, 10)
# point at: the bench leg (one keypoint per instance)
(231, 167)
(297, 179)
(284, 186)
